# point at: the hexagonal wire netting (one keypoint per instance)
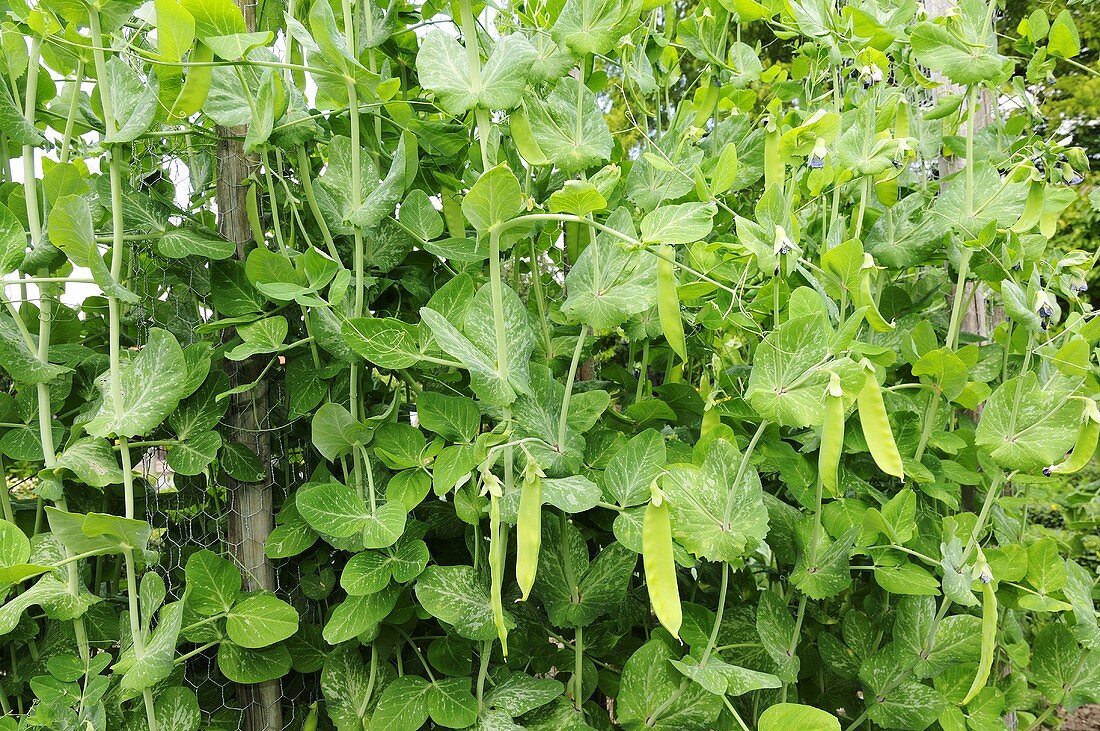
(189, 514)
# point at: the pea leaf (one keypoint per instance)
(678, 224)
(12, 122)
(1028, 426)
(963, 50)
(145, 669)
(451, 704)
(650, 693)
(349, 688)
(568, 125)
(13, 241)
(453, 594)
(574, 591)
(403, 705)
(1064, 41)
(260, 620)
(359, 615)
(336, 510)
(495, 382)
(783, 716)
(444, 69)
(183, 242)
(335, 433)
(93, 462)
(454, 418)
(494, 199)
(633, 468)
(592, 26)
(714, 516)
(385, 341)
(152, 384)
(608, 283)
(71, 230)
(244, 665)
(213, 583)
(791, 370)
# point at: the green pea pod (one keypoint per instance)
(901, 119)
(196, 87)
(863, 298)
(668, 302)
(310, 724)
(1033, 207)
(989, 637)
(876, 426)
(832, 437)
(526, 144)
(528, 533)
(1085, 446)
(660, 566)
(576, 240)
(705, 108)
(497, 550)
(773, 161)
(252, 210)
(1048, 223)
(886, 190)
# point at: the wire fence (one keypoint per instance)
(192, 513)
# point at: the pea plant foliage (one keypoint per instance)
(629, 365)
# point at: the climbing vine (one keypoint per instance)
(600, 369)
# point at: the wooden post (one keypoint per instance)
(251, 509)
(979, 318)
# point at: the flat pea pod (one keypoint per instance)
(1048, 223)
(528, 532)
(196, 87)
(864, 298)
(526, 144)
(310, 724)
(886, 189)
(773, 161)
(660, 566)
(832, 437)
(576, 240)
(989, 637)
(1033, 207)
(1083, 449)
(252, 211)
(668, 302)
(876, 426)
(901, 119)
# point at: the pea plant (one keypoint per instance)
(493, 300)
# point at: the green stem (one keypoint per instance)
(712, 641)
(578, 669)
(864, 193)
(483, 672)
(540, 300)
(114, 314)
(741, 469)
(796, 636)
(473, 65)
(311, 200)
(563, 418)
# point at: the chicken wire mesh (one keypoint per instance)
(206, 511)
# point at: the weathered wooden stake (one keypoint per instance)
(251, 511)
